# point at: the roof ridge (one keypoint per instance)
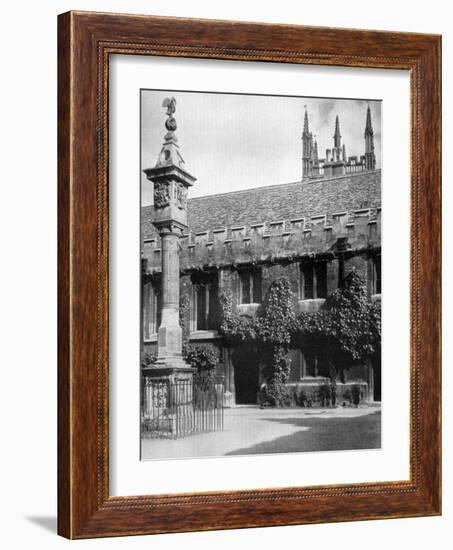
(309, 182)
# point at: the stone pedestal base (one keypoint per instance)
(168, 398)
(171, 368)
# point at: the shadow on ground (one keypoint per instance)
(49, 523)
(322, 434)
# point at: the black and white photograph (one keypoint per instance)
(260, 274)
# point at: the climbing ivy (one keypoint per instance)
(184, 308)
(345, 331)
(203, 357)
(147, 358)
(271, 332)
(234, 328)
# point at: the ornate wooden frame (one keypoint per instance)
(85, 41)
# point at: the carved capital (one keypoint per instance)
(181, 196)
(161, 194)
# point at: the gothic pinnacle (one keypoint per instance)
(368, 125)
(306, 129)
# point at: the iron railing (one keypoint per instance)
(175, 409)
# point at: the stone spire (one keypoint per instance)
(368, 125)
(335, 163)
(307, 140)
(171, 183)
(345, 158)
(370, 157)
(306, 131)
(337, 135)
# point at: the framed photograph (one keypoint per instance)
(249, 275)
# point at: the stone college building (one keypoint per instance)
(313, 232)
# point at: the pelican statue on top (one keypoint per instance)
(170, 104)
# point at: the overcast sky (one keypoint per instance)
(231, 142)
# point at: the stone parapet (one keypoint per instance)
(277, 240)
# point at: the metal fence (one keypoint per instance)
(181, 407)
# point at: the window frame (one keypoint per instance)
(312, 269)
(254, 279)
(151, 308)
(209, 285)
(376, 274)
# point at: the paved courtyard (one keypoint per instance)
(250, 430)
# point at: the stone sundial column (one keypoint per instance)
(171, 182)
(169, 339)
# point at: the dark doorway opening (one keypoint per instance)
(246, 375)
(376, 363)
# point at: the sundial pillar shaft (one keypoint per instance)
(170, 268)
(169, 339)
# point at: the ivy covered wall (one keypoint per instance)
(276, 326)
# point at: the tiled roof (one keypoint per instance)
(279, 202)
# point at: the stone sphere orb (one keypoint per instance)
(170, 124)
